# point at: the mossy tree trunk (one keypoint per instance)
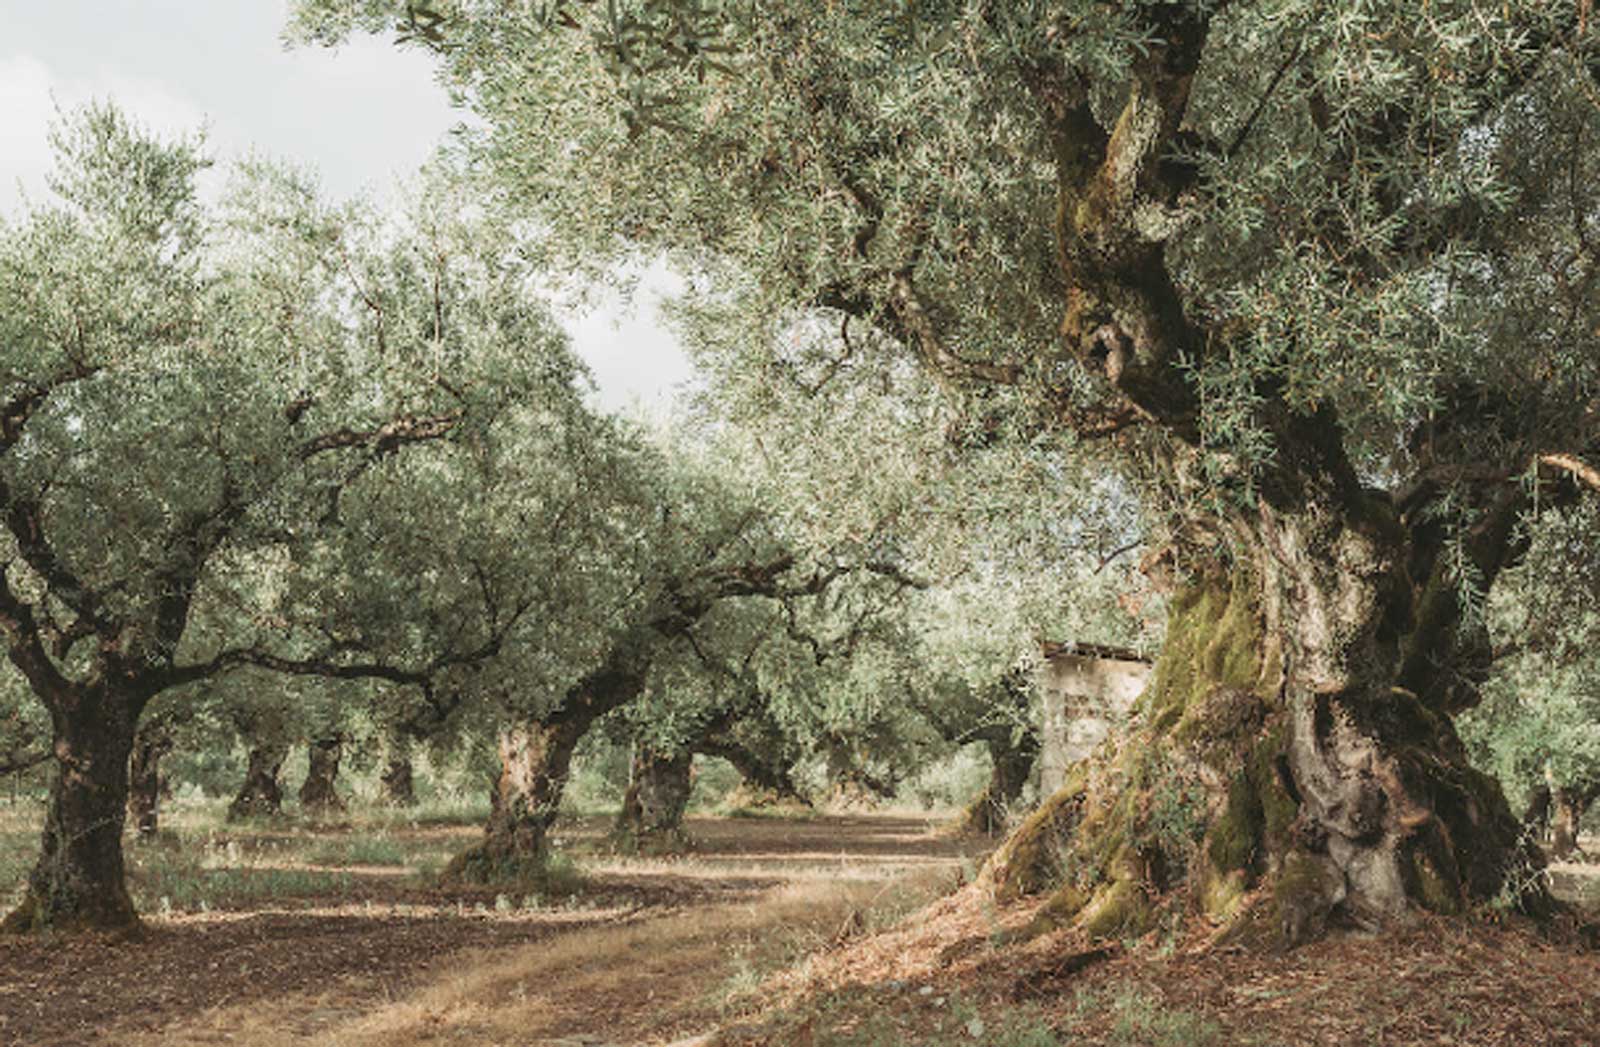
(261, 795)
(1283, 773)
(651, 818)
(151, 743)
(78, 880)
(319, 792)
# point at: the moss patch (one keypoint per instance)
(1436, 891)
(1278, 808)
(1209, 679)
(1302, 898)
(1222, 894)
(1030, 860)
(1118, 910)
(1231, 844)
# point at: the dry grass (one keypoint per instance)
(959, 966)
(644, 979)
(775, 932)
(350, 953)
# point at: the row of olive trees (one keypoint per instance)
(266, 460)
(267, 434)
(1323, 296)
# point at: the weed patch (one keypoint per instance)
(360, 850)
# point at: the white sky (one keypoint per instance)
(362, 117)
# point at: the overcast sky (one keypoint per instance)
(362, 117)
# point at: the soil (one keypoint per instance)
(966, 964)
(383, 935)
(642, 953)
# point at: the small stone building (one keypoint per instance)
(1085, 690)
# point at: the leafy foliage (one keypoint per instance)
(1539, 723)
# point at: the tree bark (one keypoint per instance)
(1011, 764)
(535, 759)
(78, 881)
(146, 784)
(399, 787)
(318, 794)
(1277, 771)
(1568, 804)
(651, 819)
(261, 795)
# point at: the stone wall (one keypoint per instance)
(1085, 690)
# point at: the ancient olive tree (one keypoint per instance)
(1319, 275)
(764, 681)
(208, 418)
(690, 541)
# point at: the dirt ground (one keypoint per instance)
(944, 981)
(297, 970)
(768, 932)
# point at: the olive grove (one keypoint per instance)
(269, 433)
(1538, 727)
(1316, 278)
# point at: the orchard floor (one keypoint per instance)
(280, 934)
(835, 931)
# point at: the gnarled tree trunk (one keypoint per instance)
(761, 753)
(261, 795)
(1567, 807)
(535, 759)
(1277, 771)
(762, 784)
(78, 880)
(651, 818)
(318, 794)
(146, 784)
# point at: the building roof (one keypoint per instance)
(1076, 649)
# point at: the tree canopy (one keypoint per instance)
(275, 434)
(1318, 277)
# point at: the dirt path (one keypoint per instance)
(647, 949)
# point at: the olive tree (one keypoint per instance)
(1318, 275)
(764, 681)
(693, 541)
(215, 422)
(1538, 728)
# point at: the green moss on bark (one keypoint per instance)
(1231, 844)
(1302, 898)
(1187, 801)
(1119, 910)
(1031, 858)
